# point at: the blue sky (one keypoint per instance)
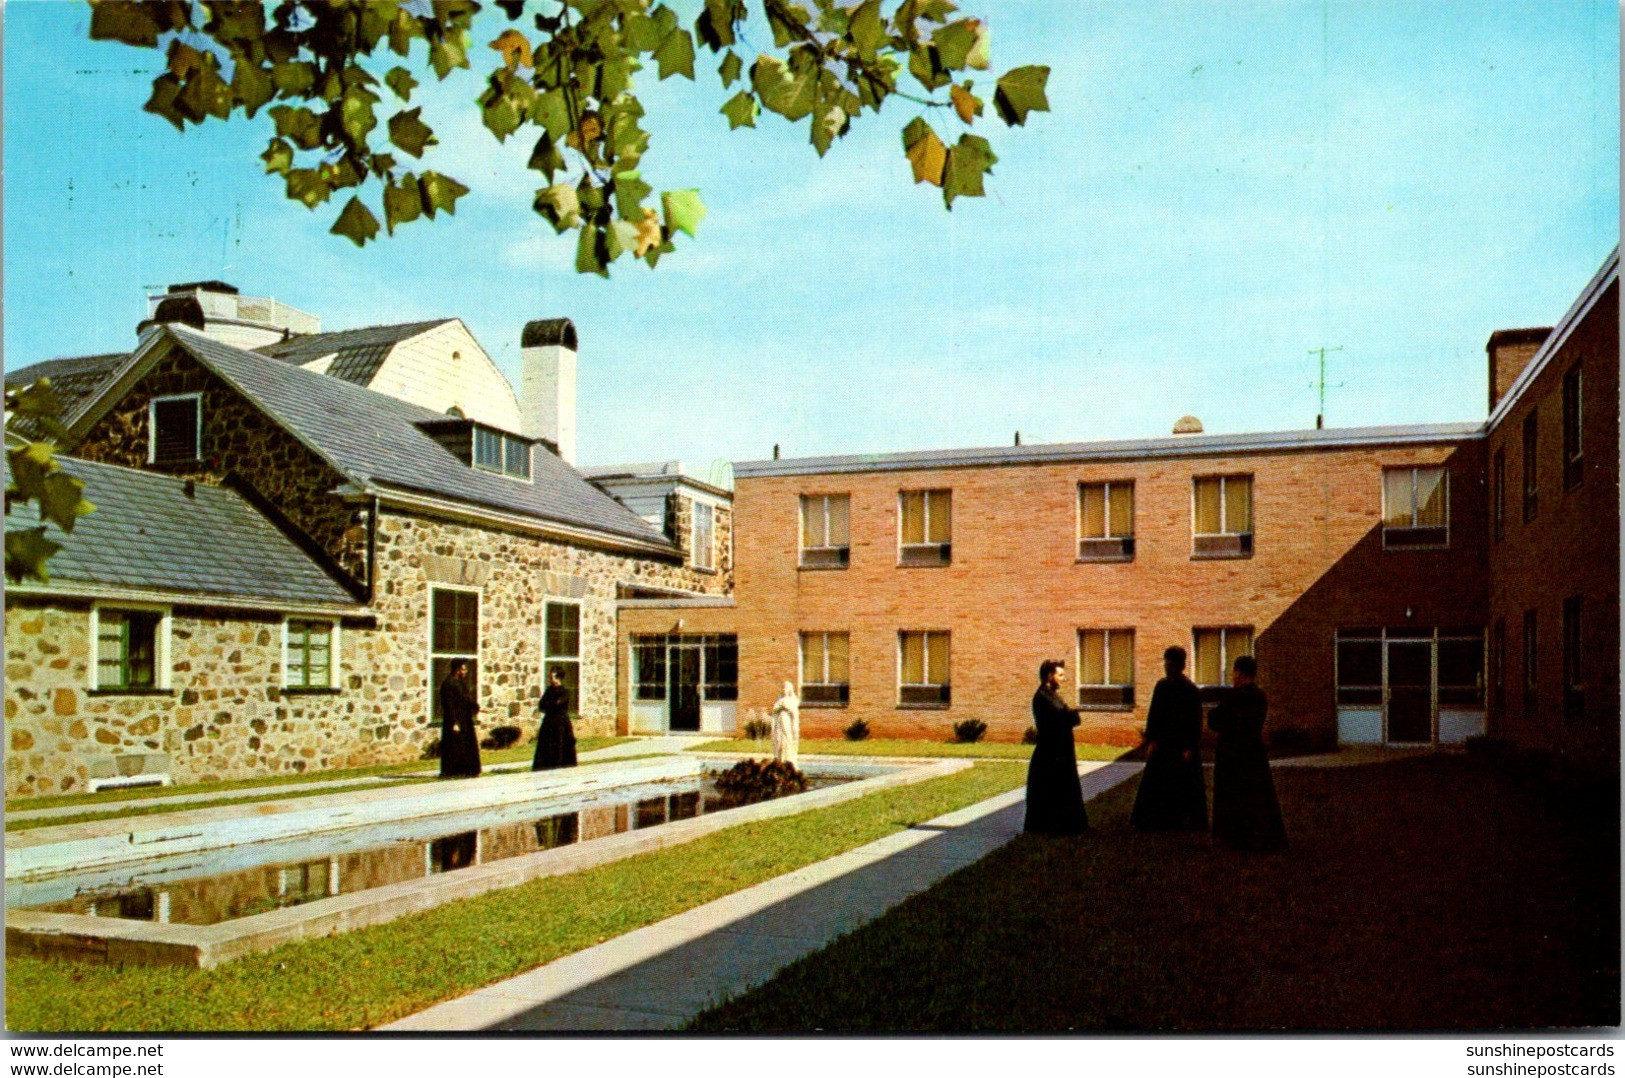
(1212, 196)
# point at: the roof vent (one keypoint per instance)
(545, 332)
(1188, 425)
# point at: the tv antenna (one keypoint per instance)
(1320, 383)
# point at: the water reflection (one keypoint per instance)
(227, 896)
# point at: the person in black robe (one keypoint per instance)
(556, 739)
(1054, 795)
(459, 749)
(1172, 795)
(1246, 814)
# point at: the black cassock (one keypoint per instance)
(1246, 814)
(556, 740)
(1172, 794)
(1054, 795)
(459, 749)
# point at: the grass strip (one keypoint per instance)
(375, 975)
(977, 750)
(508, 755)
(1427, 894)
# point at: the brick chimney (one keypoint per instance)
(547, 383)
(1510, 351)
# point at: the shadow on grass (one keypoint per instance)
(1427, 894)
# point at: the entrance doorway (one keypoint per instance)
(683, 688)
(1410, 691)
(1409, 686)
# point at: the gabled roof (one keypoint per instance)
(375, 442)
(75, 379)
(144, 536)
(357, 353)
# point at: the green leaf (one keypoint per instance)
(1020, 91)
(715, 25)
(925, 152)
(630, 191)
(162, 101)
(278, 157)
(27, 551)
(446, 54)
(619, 238)
(684, 210)
(789, 23)
(293, 78)
(308, 186)
(925, 64)
(954, 43)
(440, 192)
(30, 464)
(356, 223)
(867, 31)
(382, 164)
(676, 55)
(410, 133)
(38, 400)
(615, 76)
(740, 110)
(205, 94)
(829, 124)
(790, 94)
(123, 20)
(589, 252)
(546, 158)
(552, 111)
(251, 86)
(501, 118)
(970, 158)
(401, 81)
(403, 202)
(980, 54)
(730, 69)
(298, 125)
(63, 501)
(356, 117)
(560, 206)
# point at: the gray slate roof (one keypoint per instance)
(147, 532)
(372, 438)
(75, 379)
(357, 353)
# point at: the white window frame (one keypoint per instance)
(548, 659)
(1227, 658)
(332, 653)
(925, 553)
(479, 637)
(842, 690)
(708, 549)
(1398, 531)
(161, 673)
(152, 424)
(829, 555)
(1244, 540)
(1127, 703)
(503, 439)
(1105, 549)
(946, 684)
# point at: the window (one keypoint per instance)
(1223, 517)
(1216, 649)
(825, 531)
(1105, 521)
(1359, 668)
(1498, 668)
(561, 646)
(131, 650)
(308, 650)
(1573, 682)
(650, 653)
(1461, 668)
(1573, 460)
(454, 633)
(498, 451)
(1415, 508)
(1498, 496)
(1531, 663)
(923, 673)
(824, 677)
(721, 657)
(1106, 668)
(927, 517)
(175, 428)
(704, 536)
(1531, 490)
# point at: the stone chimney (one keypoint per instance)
(547, 383)
(1510, 351)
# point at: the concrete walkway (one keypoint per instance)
(662, 975)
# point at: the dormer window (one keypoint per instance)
(495, 451)
(174, 429)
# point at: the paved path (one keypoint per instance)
(661, 976)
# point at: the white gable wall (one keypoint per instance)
(445, 367)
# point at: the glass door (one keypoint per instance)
(684, 687)
(1410, 691)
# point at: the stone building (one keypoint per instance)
(449, 534)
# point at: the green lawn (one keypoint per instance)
(979, 750)
(1434, 893)
(524, 751)
(378, 974)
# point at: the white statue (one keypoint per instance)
(786, 716)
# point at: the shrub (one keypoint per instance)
(502, 737)
(858, 731)
(1030, 737)
(759, 780)
(969, 731)
(431, 751)
(757, 729)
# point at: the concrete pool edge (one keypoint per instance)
(112, 940)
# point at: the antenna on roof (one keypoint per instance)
(1320, 383)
